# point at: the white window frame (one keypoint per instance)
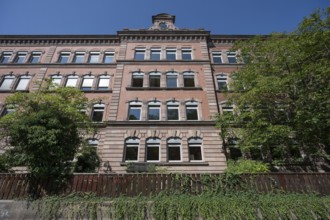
(186, 51)
(138, 52)
(104, 82)
(137, 75)
(5, 55)
(99, 107)
(192, 105)
(71, 78)
(8, 81)
(94, 57)
(34, 55)
(169, 52)
(23, 81)
(195, 142)
(232, 55)
(174, 142)
(21, 57)
(222, 78)
(189, 75)
(215, 55)
(134, 143)
(155, 75)
(157, 51)
(65, 55)
(107, 55)
(132, 106)
(154, 105)
(87, 83)
(173, 105)
(155, 143)
(56, 79)
(171, 75)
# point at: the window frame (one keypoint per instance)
(20, 57)
(171, 105)
(4, 55)
(153, 142)
(136, 79)
(79, 57)
(195, 142)
(222, 79)
(64, 57)
(87, 83)
(108, 55)
(169, 54)
(169, 76)
(187, 76)
(56, 79)
(232, 57)
(94, 57)
(11, 84)
(97, 107)
(139, 54)
(69, 78)
(101, 78)
(192, 105)
(186, 51)
(157, 52)
(174, 142)
(134, 105)
(25, 79)
(131, 142)
(152, 77)
(35, 57)
(154, 105)
(217, 57)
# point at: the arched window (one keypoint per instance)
(135, 111)
(131, 149)
(195, 149)
(222, 81)
(154, 110)
(173, 149)
(93, 142)
(104, 81)
(188, 79)
(87, 82)
(192, 110)
(171, 80)
(23, 83)
(173, 110)
(7, 82)
(152, 151)
(56, 79)
(71, 81)
(97, 112)
(154, 79)
(137, 79)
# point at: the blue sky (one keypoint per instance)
(109, 16)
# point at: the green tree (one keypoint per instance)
(282, 94)
(45, 131)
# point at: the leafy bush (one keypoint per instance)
(246, 166)
(87, 160)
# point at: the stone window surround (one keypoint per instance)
(87, 53)
(224, 56)
(16, 81)
(28, 56)
(147, 55)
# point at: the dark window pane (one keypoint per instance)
(139, 55)
(174, 153)
(172, 114)
(154, 81)
(153, 113)
(35, 58)
(97, 116)
(155, 55)
(189, 81)
(152, 153)
(192, 114)
(131, 153)
(186, 55)
(134, 114)
(170, 55)
(195, 153)
(171, 81)
(217, 60)
(64, 58)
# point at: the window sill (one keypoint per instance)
(166, 163)
(162, 88)
(97, 91)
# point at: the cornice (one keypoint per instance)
(21, 40)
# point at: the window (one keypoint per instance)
(134, 112)
(195, 149)
(79, 57)
(155, 54)
(139, 54)
(154, 110)
(35, 57)
(172, 110)
(108, 57)
(104, 81)
(153, 145)
(174, 149)
(227, 108)
(188, 79)
(56, 79)
(64, 57)
(5, 58)
(186, 54)
(8, 109)
(235, 152)
(7, 82)
(20, 58)
(137, 79)
(94, 57)
(217, 57)
(93, 142)
(97, 112)
(71, 81)
(154, 79)
(231, 57)
(87, 82)
(192, 110)
(171, 54)
(222, 82)
(172, 80)
(23, 83)
(131, 149)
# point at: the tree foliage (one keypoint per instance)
(45, 131)
(282, 94)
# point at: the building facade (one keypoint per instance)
(154, 90)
